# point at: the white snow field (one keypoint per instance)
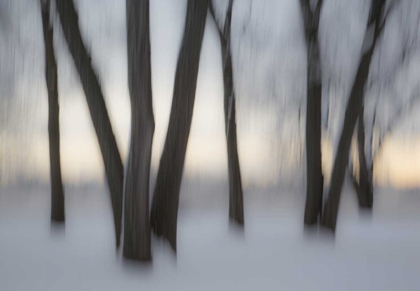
(370, 252)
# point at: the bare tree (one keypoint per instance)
(396, 60)
(376, 23)
(165, 202)
(95, 99)
(57, 191)
(236, 200)
(315, 181)
(364, 185)
(136, 203)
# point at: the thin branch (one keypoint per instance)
(388, 12)
(213, 14)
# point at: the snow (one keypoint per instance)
(377, 252)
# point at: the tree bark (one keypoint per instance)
(57, 191)
(314, 177)
(136, 204)
(95, 99)
(166, 196)
(236, 202)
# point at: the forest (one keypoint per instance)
(266, 136)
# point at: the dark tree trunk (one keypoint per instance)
(314, 177)
(95, 99)
(166, 197)
(136, 209)
(375, 26)
(365, 193)
(57, 191)
(236, 202)
(354, 106)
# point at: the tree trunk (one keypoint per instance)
(353, 109)
(136, 209)
(236, 202)
(314, 177)
(95, 99)
(166, 197)
(57, 191)
(365, 193)
(376, 23)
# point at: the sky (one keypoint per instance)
(269, 70)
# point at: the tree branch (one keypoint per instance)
(388, 12)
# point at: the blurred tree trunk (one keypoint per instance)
(57, 191)
(164, 211)
(236, 202)
(354, 107)
(365, 189)
(314, 177)
(363, 185)
(136, 204)
(95, 99)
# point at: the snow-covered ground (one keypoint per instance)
(369, 252)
